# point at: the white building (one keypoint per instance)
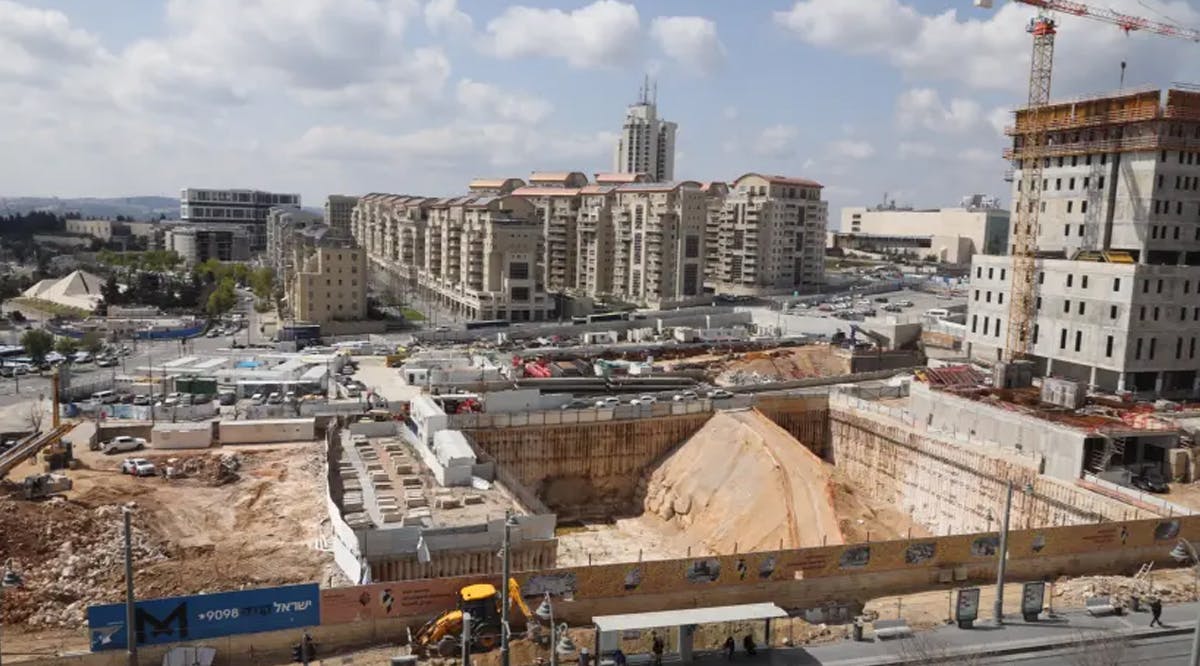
(247, 208)
(647, 143)
(197, 243)
(1117, 290)
(952, 235)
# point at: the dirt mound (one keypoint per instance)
(783, 365)
(743, 483)
(862, 518)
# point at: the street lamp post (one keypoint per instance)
(10, 579)
(1002, 559)
(509, 522)
(1182, 552)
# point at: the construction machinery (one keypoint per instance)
(40, 486)
(1032, 150)
(442, 634)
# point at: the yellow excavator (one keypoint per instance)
(482, 600)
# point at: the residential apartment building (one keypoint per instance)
(479, 256)
(1117, 281)
(197, 243)
(647, 142)
(338, 208)
(330, 284)
(247, 208)
(658, 236)
(286, 228)
(556, 200)
(950, 235)
(771, 236)
(494, 186)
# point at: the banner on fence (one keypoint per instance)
(177, 619)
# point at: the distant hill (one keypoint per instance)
(138, 208)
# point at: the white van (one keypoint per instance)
(937, 313)
(104, 397)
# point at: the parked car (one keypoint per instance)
(258, 398)
(213, 332)
(647, 399)
(1151, 481)
(719, 394)
(227, 398)
(106, 362)
(577, 404)
(122, 444)
(137, 467)
(686, 395)
(141, 400)
(274, 398)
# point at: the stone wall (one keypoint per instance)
(585, 470)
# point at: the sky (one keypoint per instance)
(906, 98)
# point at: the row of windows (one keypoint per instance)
(1181, 182)
(1163, 207)
(986, 325)
(1140, 345)
(1085, 182)
(1184, 157)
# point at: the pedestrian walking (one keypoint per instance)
(619, 657)
(1156, 612)
(748, 644)
(657, 647)
(729, 645)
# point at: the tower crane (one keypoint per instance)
(1021, 309)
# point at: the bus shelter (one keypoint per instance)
(610, 628)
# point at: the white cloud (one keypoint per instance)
(689, 40)
(451, 146)
(999, 119)
(777, 141)
(34, 41)
(852, 149)
(915, 149)
(602, 34)
(730, 113)
(982, 157)
(990, 50)
(488, 101)
(923, 108)
(444, 16)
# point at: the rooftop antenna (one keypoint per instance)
(654, 93)
(644, 92)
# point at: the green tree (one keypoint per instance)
(261, 281)
(66, 346)
(222, 299)
(92, 342)
(37, 344)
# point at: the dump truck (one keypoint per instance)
(441, 635)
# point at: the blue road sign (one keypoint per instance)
(176, 619)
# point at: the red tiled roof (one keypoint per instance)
(784, 180)
(545, 192)
(620, 177)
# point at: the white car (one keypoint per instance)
(258, 398)
(274, 398)
(137, 467)
(123, 443)
(686, 395)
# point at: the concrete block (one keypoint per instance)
(392, 517)
(415, 501)
(472, 498)
(405, 468)
(411, 482)
(447, 503)
(417, 517)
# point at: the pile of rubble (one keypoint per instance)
(1168, 585)
(212, 470)
(78, 560)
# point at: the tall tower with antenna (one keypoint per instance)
(647, 143)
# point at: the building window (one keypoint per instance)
(1070, 205)
(1145, 286)
(1142, 313)
(1108, 347)
(1037, 305)
(1000, 298)
(976, 295)
(1153, 345)
(1178, 348)
(974, 323)
(1137, 350)
(1081, 304)
(1156, 313)
(1070, 279)
(1003, 271)
(988, 297)
(1083, 282)
(1071, 184)
(1041, 278)
(1083, 206)
(1067, 306)
(1100, 182)
(691, 247)
(1192, 348)
(1116, 284)
(991, 273)
(1112, 312)
(518, 270)
(1062, 339)
(1159, 289)
(1078, 340)
(979, 271)
(1035, 333)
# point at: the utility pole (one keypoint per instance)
(130, 614)
(1002, 557)
(504, 600)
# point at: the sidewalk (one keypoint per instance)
(1015, 636)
